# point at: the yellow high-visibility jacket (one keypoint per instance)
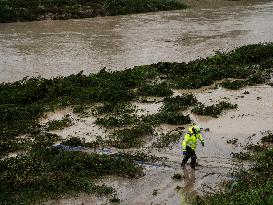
(190, 139)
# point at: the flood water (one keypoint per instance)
(53, 48)
(247, 123)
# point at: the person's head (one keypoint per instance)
(194, 129)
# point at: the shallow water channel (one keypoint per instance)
(53, 48)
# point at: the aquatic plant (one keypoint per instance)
(155, 192)
(47, 172)
(241, 155)
(232, 141)
(158, 90)
(130, 137)
(213, 110)
(114, 199)
(177, 177)
(233, 85)
(164, 140)
(117, 120)
(178, 103)
(268, 138)
(66, 121)
(163, 117)
(74, 142)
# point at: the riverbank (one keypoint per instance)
(19, 10)
(109, 98)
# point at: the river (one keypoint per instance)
(54, 48)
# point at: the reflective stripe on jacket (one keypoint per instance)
(190, 139)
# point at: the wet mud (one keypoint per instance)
(253, 116)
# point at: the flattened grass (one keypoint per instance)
(46, 173)
(213, 110)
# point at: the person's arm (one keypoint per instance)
(201, 139)
(184, 143)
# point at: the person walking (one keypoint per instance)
(189, 145)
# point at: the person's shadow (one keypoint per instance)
(188, 193)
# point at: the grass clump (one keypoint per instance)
(241, 155)
(213, 110)
(44, 173)
(246, 63)
(130, 137)
(173, 118)
(66, 121)
(255, 148)
(268, 138)
(20, 10)
(115, 199)
(117, 120)
(114, 108)
(233, 85)
(165, 140)
(155, 192)
(178, 103)
(232, 141)
(158, 90)
(177, 177)
(74, 142)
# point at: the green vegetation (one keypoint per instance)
(48, 172)
(253, 186)
(74, 142)
(164, 140)
(171, 118)
(233, 85)
(177, 177)
(130, 137)
(232, 141)
(30, 10)
(66, 121)
(117, 120)
(118, 108)
(155, 192)
(41, 172)
(212, 110)
(115, 199)
(242, 155)
(268, 138)
(178, 103)
(158, 90)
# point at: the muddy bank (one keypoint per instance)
(53, 48)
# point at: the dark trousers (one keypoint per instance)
(190, 154)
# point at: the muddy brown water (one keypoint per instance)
(53, 48)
